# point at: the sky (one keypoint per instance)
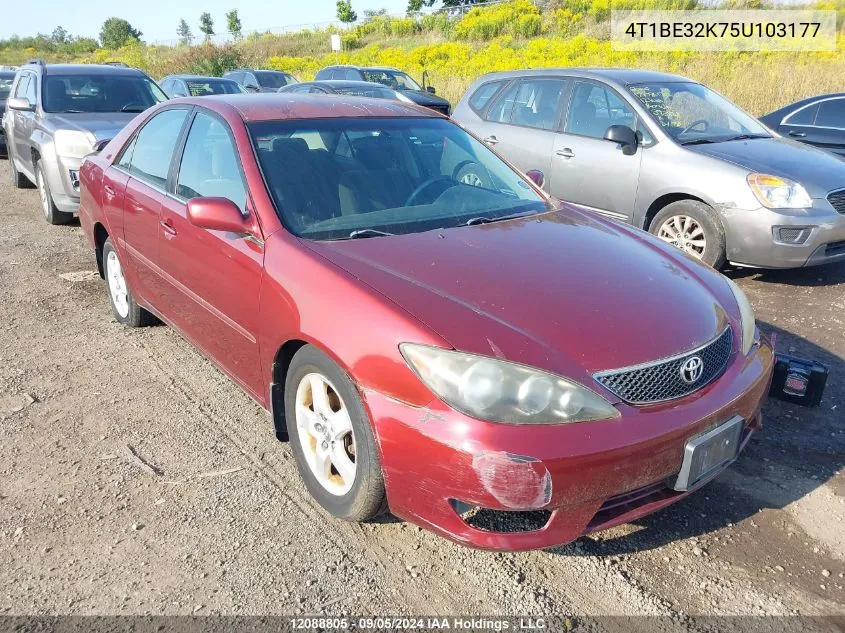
(158, 19)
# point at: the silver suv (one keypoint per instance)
(668, 155)
(56, 114)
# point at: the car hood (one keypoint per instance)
(102, 125)
(425, 98)
(819, 171)
(565, 291)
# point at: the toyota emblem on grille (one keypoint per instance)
(692, 369)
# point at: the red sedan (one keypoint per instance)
(504, 370)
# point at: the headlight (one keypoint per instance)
(72, 143)
(778, 193)
(746, 312)
(498, 391)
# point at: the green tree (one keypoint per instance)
(344, 11)
(206, 25)
(117, 32)
(233, 24)
(60, 36)
(184, 33)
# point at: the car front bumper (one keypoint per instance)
(585, 476)
(756, 237)
(60, 172)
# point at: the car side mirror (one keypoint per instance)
(431, 90)
(217, 214)
(20, 103)
(99, 146)
(624, 136)
(537, 177)
(252, 87)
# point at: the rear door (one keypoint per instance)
(213, 278)
(523, 120)
(147, 168)
(821, 124)
(588, 170)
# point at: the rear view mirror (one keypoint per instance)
(217, 214)
(20, 103)
(623, 135)
(537, 177)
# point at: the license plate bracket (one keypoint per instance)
(705, 455)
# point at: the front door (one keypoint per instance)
(22, 121)
(213, 278)
(588, 170)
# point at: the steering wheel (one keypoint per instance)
(443, 180)
(688, 128)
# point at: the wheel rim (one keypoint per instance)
(684, 232)
(117, 285)
(472, 179)
(42, 193)
(325, 434)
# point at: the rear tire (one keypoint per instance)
(328, 426)
(123, 304)
(693, 227)
(19, 181)
(48, 207)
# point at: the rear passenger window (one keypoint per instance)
(482, 96)
(805, 116)
(502, 109)
(154, 145)
(210, 167)
(831, 113)
(537, 102)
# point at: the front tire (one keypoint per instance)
(331, 438)
(694, 228)
(51, 212)
(123, 304)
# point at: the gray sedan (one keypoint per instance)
(668, 155)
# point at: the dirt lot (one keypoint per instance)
(229, 529)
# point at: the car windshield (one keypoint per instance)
(360, 177)
(99, 93)
(273, 79)
(373, 92)
(391, 78)
(691, 113)
(203, 87)
(5, 86)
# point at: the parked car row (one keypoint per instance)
(435, 333)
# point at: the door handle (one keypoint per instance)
(168, 227)
(491, 140)
(565, 152)
(797, 134)
(109, 191)
(134, 206)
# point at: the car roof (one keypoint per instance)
(624, 76)
(273, 106)
(257, 70)
(352, 66)
(343, 83)
(83, 69)
(198, 78)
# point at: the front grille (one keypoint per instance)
(664, 380)
(837, 200)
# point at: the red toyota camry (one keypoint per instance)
(504, 370)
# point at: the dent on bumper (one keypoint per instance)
(750, 236)
(585, 477)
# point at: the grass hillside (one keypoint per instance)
(505, 36)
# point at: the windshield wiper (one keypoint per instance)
(481, 219)
(744, 137)
(698, 141)
(361, 233)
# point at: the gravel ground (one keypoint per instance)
(227, 527)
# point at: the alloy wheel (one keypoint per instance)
(117, 285)
(685, 233)
(43, 194)
(325, 433)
